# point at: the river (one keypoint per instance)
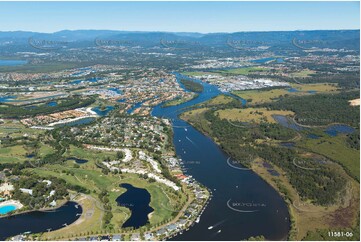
(243, 204)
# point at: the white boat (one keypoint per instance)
(198, 219)
(219, 231)
(210, 227)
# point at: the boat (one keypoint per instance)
(219, 231)
(210, 227)
(198, 219)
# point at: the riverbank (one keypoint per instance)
(305, 217)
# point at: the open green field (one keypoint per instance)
(336, 149)
(34, 68)
(252, 115)
(242, 71)
(236, 71)
(220, 99)
(88, 154)
(265, 96)
(303, 73)
(12, 154)
(179, 100)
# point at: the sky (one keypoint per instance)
(203, 17)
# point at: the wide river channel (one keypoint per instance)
(243, 204)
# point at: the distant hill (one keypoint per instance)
(348, 39)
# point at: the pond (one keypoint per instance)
(52, 104)
(103, 111)
(137, 200)
(313, 136)
(77, 160)
(287, 122)
(335, 129)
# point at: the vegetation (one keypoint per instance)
(321, 109)
(191, 85)
(12, 111)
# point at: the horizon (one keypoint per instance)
(193, 17)
(157, 31)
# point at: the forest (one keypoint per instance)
(320, 185)
(191, 85)
(13, 111)
(321, 109)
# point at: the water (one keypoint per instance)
(292, 90)
(313, 136)
(263, 60)
(5, 99)
(77, 122)
(229, 186)
(287, 144)
(37, 221)
(12, 98)
(77, 160)
(137, 200)
(116, 90)
(52, 104)
(103, 112)
(93, 79)
(12, 62)
(334, 130)
(135, 106)
(6, 209)
(287, 122)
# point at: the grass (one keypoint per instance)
(44, 150)
(336, 149)
(303, 73)
(12, 154)
(252, 115)
(45, 67)
(88, 154)
(265, 96)
(236, 71)
(93, 179)
(242, 71)
(180, 100)
(220, 99)
(309, 217)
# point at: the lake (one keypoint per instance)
(137, 200)
(103, 112)
(336, 129)
(36, 222)
(287, 122)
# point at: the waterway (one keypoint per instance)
(243, 204)
(37, 221)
